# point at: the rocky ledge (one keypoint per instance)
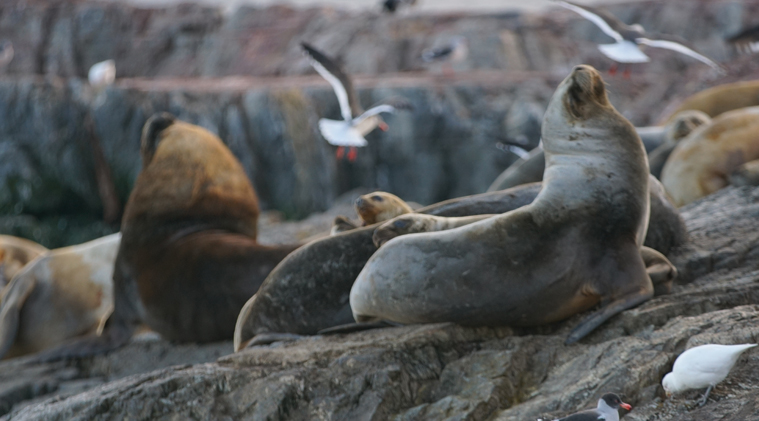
(442, 371)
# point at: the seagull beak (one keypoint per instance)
(383, 126)
(626, 406)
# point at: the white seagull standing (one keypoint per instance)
(702, 366)
(356, 124)
(102, 74)
(607, 409)
(629, 38)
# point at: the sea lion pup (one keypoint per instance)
(577, 245)
(720, 99)
(62, 294)
(372, 208)
(188, 259)
(16, 252)
(702, 163)
(678, 129)
(746, 175)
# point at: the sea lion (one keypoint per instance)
(702, 163)
(720, 99)
(64, 293)
(372, 208)
(328, 267)
(678, 129)
(16, 252)
(577, 245)
(746, 175)
(188, 259)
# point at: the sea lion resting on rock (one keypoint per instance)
(188, 259)
(372, 208)
(308, 291)
(683, 124)
(720, 99)
(702, 163)
(16, 252)
(64, 293)
(578, 244)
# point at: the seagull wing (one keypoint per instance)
(609, 24)
(676, 46)
(433, 54)
(387, 106)
(340, 82)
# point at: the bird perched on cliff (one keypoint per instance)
(629, 38)
(357, 123)
(702, 366)
(746, 41)
(391, 6)
(454, 51)
(607, 409)
(102, 74)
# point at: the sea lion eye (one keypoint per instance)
(377, 198)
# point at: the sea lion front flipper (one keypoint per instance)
(357, 327)
(16, 294)
(342, 224)
(661, 271)
(746, 175)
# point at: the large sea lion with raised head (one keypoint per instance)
(577, 245)
(328, 267)
(189, 259)
(62, 294)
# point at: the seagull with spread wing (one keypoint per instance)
(629, 38)
(357, 123)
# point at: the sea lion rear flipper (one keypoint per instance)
(357, 327)
(617, 306)
(661, 271)
(16, 294)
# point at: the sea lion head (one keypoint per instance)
(684, 123)
(151, 135)
(380, 206)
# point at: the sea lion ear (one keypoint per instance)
(599, 90)
(150, 134)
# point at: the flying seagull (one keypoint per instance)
(629, 38)
(607, 409)
(746, 41)
(702, 366)
(356, 123)
(454, 50)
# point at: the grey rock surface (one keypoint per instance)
(443, 371)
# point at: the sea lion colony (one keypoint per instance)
(595, 232)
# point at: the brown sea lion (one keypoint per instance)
(188, 259)
(720, 99)
(703, 162)
(577, 245)
(16, 252)
(327, 268)
(62, 294)
(372, 208)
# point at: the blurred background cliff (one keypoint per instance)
(237, 69)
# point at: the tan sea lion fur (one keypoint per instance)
(720, 99)
(746, 175)
(16, 252)
(62, 294)
(702, 163)
(577, 245)
(189, 259)
(372, 208)
(678, 129)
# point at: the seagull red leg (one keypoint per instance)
(613, 69)
(352, 153)
(340, 152)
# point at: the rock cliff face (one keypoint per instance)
(444, 371)
(445, 148)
